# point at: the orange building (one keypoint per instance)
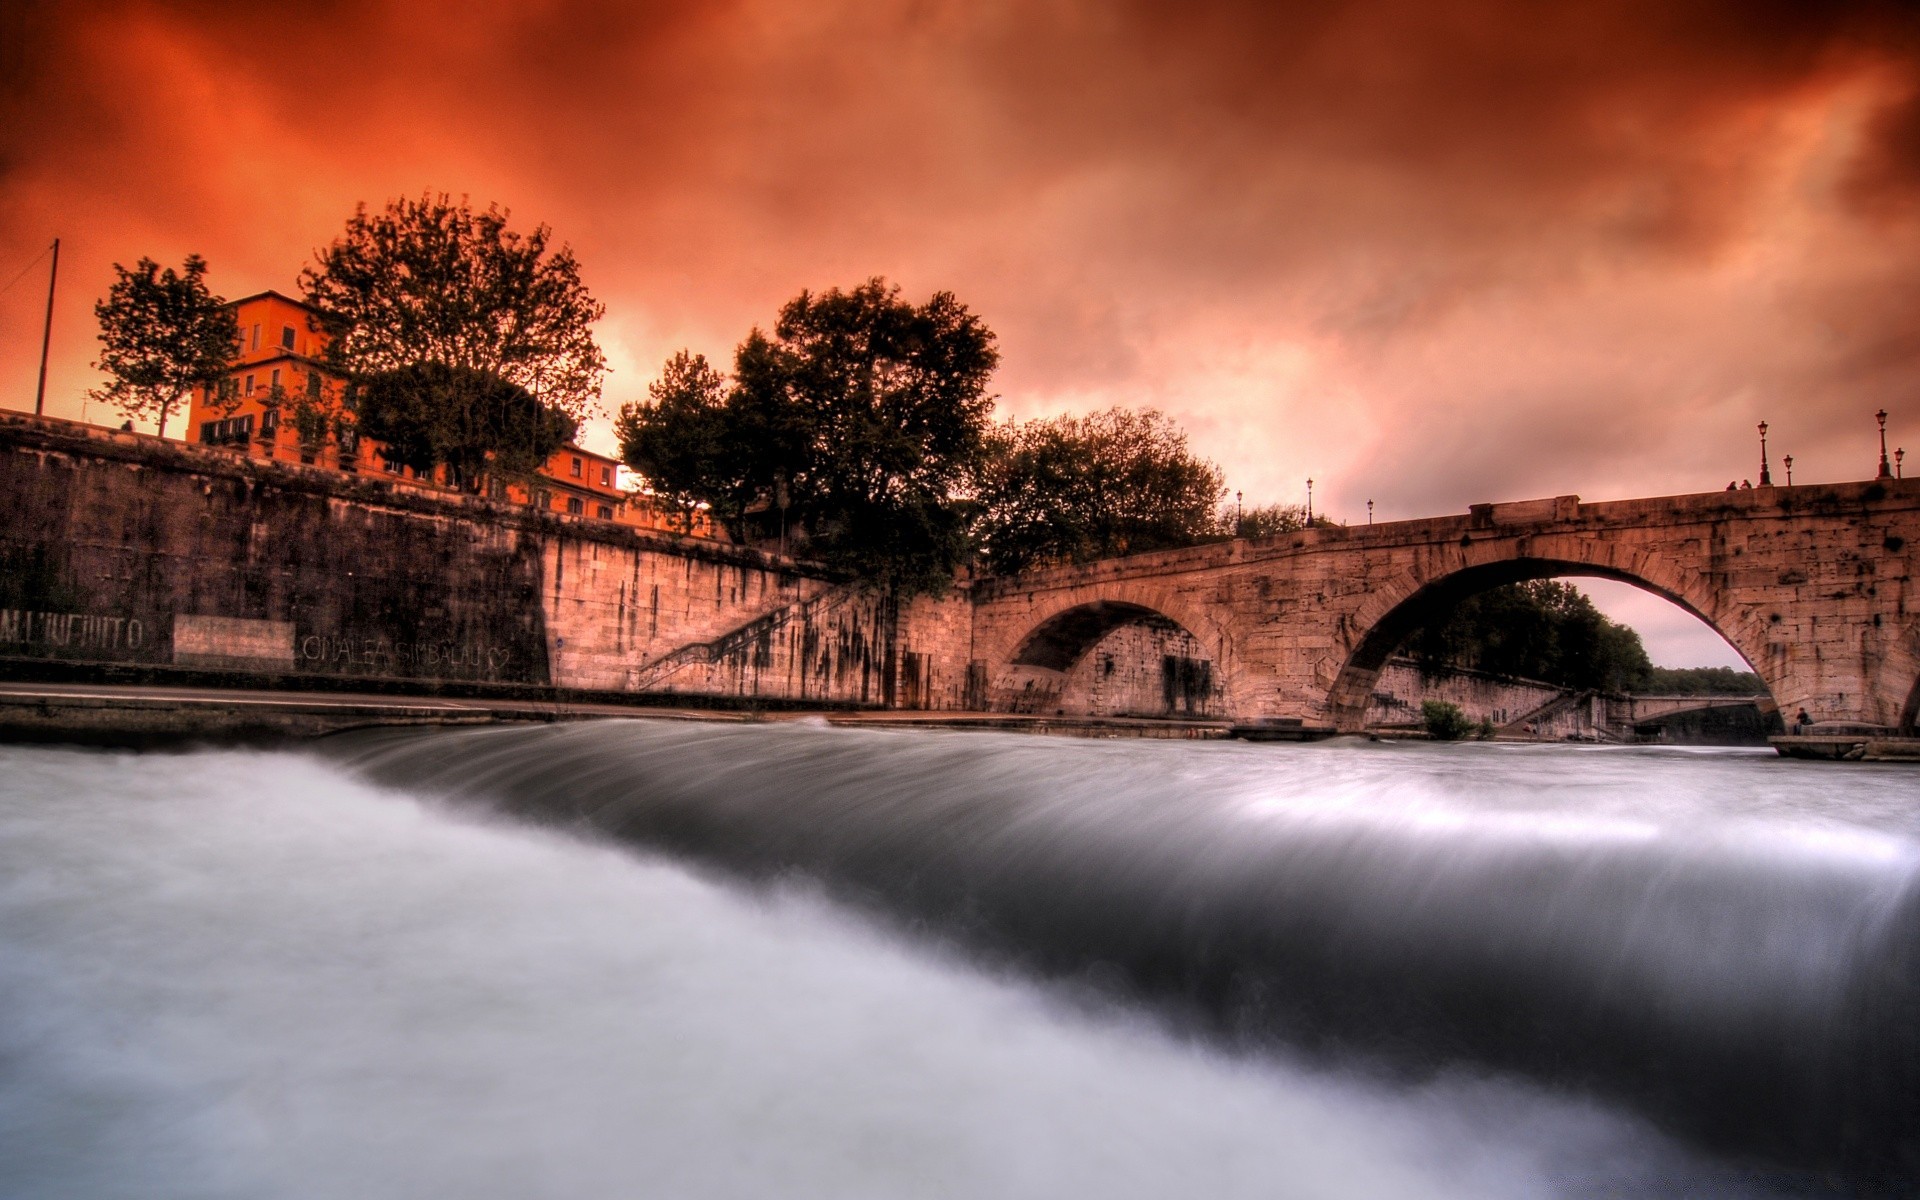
(281, 402)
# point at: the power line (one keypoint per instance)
(23, 270)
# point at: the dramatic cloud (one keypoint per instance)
(1428, 254)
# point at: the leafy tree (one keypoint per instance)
(685, 442)
(449, 324)
(476, 423)
(1702, 681)
(1545, 630)
(1268, 520)
(1072, 489)
(164, 334)
(865, 414)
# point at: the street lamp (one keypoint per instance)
(1766, 476)
(1369, 512)
(1789, 461)
(1886, 472)
(1898, 455)
(1239, 528)
(1310, 499)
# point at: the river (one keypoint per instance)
(654, 958)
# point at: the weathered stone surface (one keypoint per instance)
(129, 549)
(114, 539)
(1814, 585)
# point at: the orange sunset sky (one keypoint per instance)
(1428, 254)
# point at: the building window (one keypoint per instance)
(249, 385)
(254, 340)
(606, 512)
(574, 505)
(576, 468)
(286, 337)
(313, 384)
(606, 476)
(276, 379)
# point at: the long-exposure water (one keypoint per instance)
(681, 960)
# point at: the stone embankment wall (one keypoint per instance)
(1401, 688)
(126, 550)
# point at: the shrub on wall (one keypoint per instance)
(1445, 722)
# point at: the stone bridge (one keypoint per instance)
(1813, 585)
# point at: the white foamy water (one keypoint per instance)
(241, 974)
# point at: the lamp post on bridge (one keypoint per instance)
(1898, 455)
(1369, 512)
(1310, 499)
(1766, 476)
(1788, 460)
(1886, 472)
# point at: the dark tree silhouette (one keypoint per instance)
(861, 420)
(451, 323)
(163, 334)
(1072, 489)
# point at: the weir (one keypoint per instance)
(1747, 980)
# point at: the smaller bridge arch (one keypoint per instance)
(1151, 662)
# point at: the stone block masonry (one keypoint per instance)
(1814, 585)
(131, 551)
(127, 551)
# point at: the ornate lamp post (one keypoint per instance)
(1369, 512)
(1310, 496)
(1788, 460)
(1239, 529)
(1766, 476)
(1886, 472)
(1898, 455)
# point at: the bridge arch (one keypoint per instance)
(1056, 643)
(1390, 615)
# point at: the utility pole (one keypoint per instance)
(46, 334)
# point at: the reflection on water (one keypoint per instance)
(1320, 971)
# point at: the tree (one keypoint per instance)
(164, 334)
(684, 444)
(1703, 681)
(1545, 630)
(862, 418)
(1072, 489)
(1268, 520)
(450, 324)
(476, 423)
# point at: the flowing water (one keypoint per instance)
(678, 960)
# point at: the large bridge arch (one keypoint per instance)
(1390, 615)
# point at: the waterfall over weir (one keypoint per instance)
(1725, 943)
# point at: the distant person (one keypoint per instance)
(126, 427)
(1732, 486)
(1802, 722)
(1746, 485)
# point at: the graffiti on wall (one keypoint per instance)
(73, 631)
(414, 658)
